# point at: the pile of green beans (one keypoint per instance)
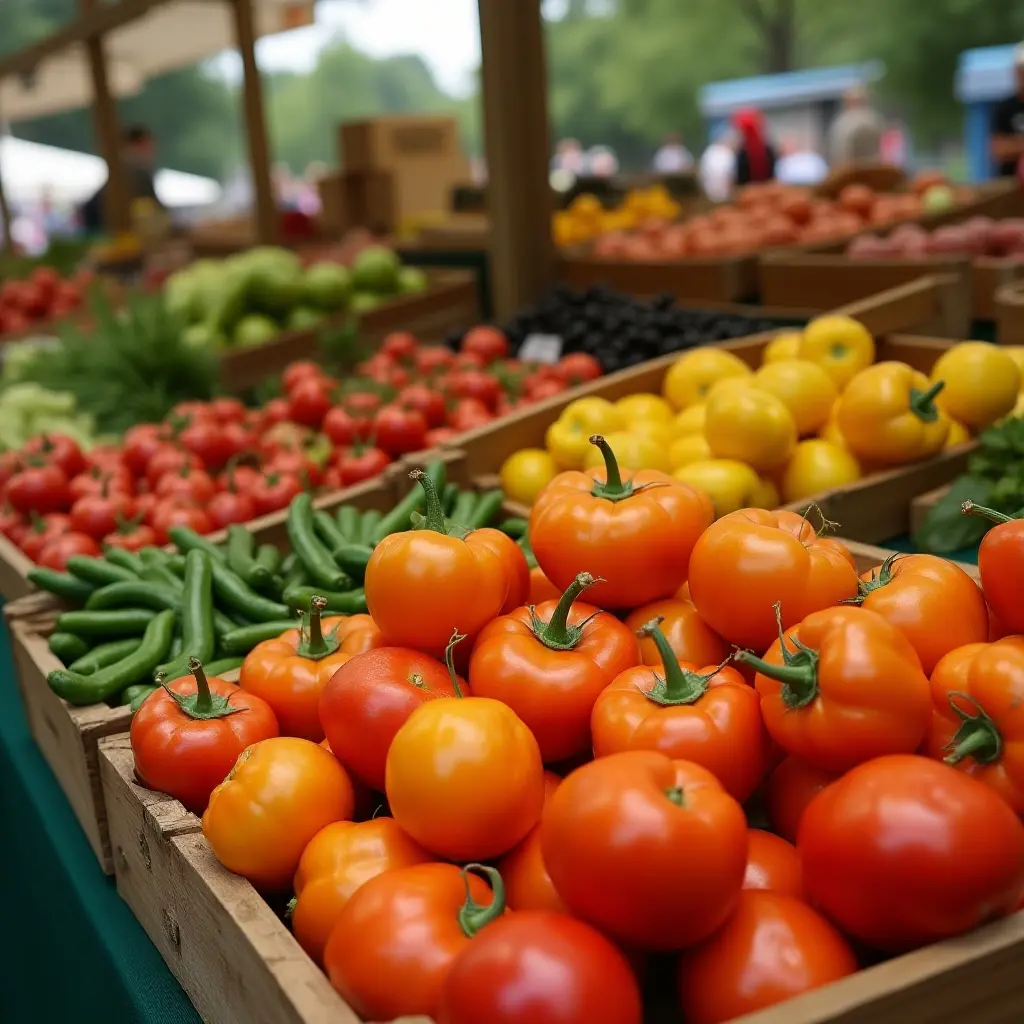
(137, 615)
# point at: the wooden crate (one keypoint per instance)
(1010, 314)
(451, 302)
(237, 960)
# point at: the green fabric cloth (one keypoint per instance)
(72, 949)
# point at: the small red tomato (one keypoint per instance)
(432, 358)
(10, 463)
(141, 443)
(577, 368)
(105, 457)
(340, 426)
(239, 477)
(398, 431)
(486, 342)
(439, 436)
(12, 524)
(207, 439)
(476, 384)
(546, 389)
(277, 410)
(39, 489)
(274, 491)
(131, 536)
(144, 505)
(170, 458)
(297, 463)
(310, 400)
(172, 512)
(773, 864)
(227, 507)
(468, 361)
(57, 552)
(97, 516)
(61, 450)
(189, 484)
(228, 410)
(298, 371)
(400, 345)
(41, 531)
(362, 403)
(100, 482)
(426, 401)
(362, 464)
(469, 414)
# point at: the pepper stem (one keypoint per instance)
(472, 915)
(978, 735)
(614, 489)
(680, 686)
(434, 519)
(798, 672)
(313, 644)
(556, 633)
(922, 403)
(449, 660)
(203, 704)
(968, 508)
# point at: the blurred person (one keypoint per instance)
(308, 198)
(799, 164)
(568, 157)
(856, 134)
(285, 187)
(57, 222)
(673, 157)
(138, 158)
(717, 169)
(601, 162)
(894, 145)
(755, 156)
(1008, 123)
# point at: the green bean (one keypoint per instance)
(197, 632)
(242, 558)
(485, 510)
(99, 571)
(186, 539)
(223, 665)
(368, 528)
(139, 594)
(465, 505)
(397, 520)
(348, 602)
(106, 625)
(269, 556)
(104, 683)
(245, 638)
(348, 522)
(514, 527)
(305, 543)
(232, 593)
(64, 585)
(327, 530)
(103, 655)
(68, 647)
(352, 559)
(124, 559)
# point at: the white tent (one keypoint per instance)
(29, 170)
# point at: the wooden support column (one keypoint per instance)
(265, 209)
(117, 198)
(515, 109)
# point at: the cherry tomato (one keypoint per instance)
(773, 864)
(398, 430)
(10, 463)
(488, 343)
(468, 361)
(296, 462)
(790, 788)
(227, 507)
(59, 449)
(340, 426)
(274, 491)
(440, 436)
(468, 414)
(170, 512)
(426, 401)
(56, 553)
(188, 484)
(772, 948)
(131, 536)
(577, 368)
(141, 443)
(101, 482)
(539, 967)
(105, 457)
(97, 516)
(300, 370)
(362, 403)
(208, 439)
(38, 488)
(228, 410)
(476, 384)
(279, 794)
(309, 401)
(170, 459)
(904, 851)
(12, 524)
(400, 345)
(431, 358)
(275, 411)
(360, 464)
(41, 530)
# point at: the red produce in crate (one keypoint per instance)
(172, 512)
(228, 507)
(39, 488)
(488, 343)
(170, 458)
(398, 430)
(310, 400)
(131, 536)
(41, 530)
(97, 514)
(427, 401)
(56, 553)
(274, 491)
(59, 449)
(400, 346)
(361, 463)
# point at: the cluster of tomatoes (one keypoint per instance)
(41, 297)
(566, 756)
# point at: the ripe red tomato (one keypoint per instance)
(12, 524)
(101, 482)
(131, 536)
(773, 864)
(209, 441)
(141, 443)
(400, 346)
(10, 463)
(439, 436)
(545, 389)
(488, 343)
(340, 426)
(106, 457)
(360, 464)
(227, 507)
(300, 370)
(228, 410)
(61, 450)
(426, 401)
(468, 414)
(189, 484)
(577, 368)
(362, 403)
(398, 431)
(39, 489)
(537, 967)
(172, 512)
(274, 491)
(297, 463)
(432, 358)
(468, 361)
(790, 788)
(309, 401)
(904, 851)
(41, 531)
(56, 553)
(476, 384)
(771, 949)
(184, 412)
(275, 411)
(170, 458)
(97, 516)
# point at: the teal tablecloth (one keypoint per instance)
(72, 949)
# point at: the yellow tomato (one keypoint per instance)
(830, 431)
(658, 431)
(1016, 353)
(692, 374)
(729, 384)
(803, 387)
(730, 484)
(784, 345)
(644, 407)
(525, 473)
(688, 448)
(631, 451)
(981, 383)
(765, 494)
(817, 466)
(1017, 410)
(594, 415)
(958, 433)
(690, 420)
(750, 426)
(840, 345)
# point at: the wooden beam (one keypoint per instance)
(265, 209)
(519, 201)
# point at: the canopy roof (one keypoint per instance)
(985, 74)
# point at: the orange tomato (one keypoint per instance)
(706, 715)
(541, 588)
(635, 535)
(931, 601)
(689, 636)
(773, 864)
(338, 860)
(842, 687)
(549, 663)
(751, 560)
(290, 673)
(528, 885)
(790, 788)
(279, 794)
(611, 839)
(517, 570)
(771, 949)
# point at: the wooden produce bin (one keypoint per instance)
(870, 510)
(451, 302)
(1010, 314)
(237, 960)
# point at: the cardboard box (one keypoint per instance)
(384, 143)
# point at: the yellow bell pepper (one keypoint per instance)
(525, 473)
(568, 438)
(690, 377)
(817, 466)
(982, 383)
(730, 484)
(830, 431)
(750, 426)
(688, 448)
(784, 345)
(632, 451)
(1016, 353)
(840, 345)
(690, 420)
(634, 408)
(958, 433)
(803, 387)
(594, 414)
(657, 431)
(888, 415)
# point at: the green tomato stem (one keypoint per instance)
(449, 660)
(556, 633)
(613, 488)
(968, 508)
(680, 686)
(473, 916)
(434, 519)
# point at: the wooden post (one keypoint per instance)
(519, 202)
(116, 197)
(255, 124)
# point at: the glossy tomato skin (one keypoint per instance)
(102, 482)
(339, 426)
(339, 859)
(170, 458)
(399, 430)
(426, 401)
(489, 343)
(188, 484)
(396, 938)
(171, 512)
(539, 967)
(56, 553)
(133, 538)
(528, 885)
(41, 531)
(368, 700)
(97, 516)
(39, 489)
(274, 491)
(400, 345)
(749, 560)
(189, 758)
(1001, 564)
(636, 808)
(771, 949)
(517, 570)
(577, 368)
(59, 449)
(904, 851)
(279, 794)
(355, 466)
(772, 864)
(227, 507)
(140, 444)
(299, 370)
(792, 785)
(689, 636)
(309, 401)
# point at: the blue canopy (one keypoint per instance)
(985, 74)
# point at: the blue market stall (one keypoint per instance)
(983, 78)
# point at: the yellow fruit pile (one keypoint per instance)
(586, 218)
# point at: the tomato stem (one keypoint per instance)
(204, 699)
(449, 660)
(922, 403)
(313, 644)
(798, 672)
(680, 685)
(556, 633)
(968, 508)
(978, 735)
(880, 578)
(472, 915)
(203, 705)
(434, 518)
(614, 489)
